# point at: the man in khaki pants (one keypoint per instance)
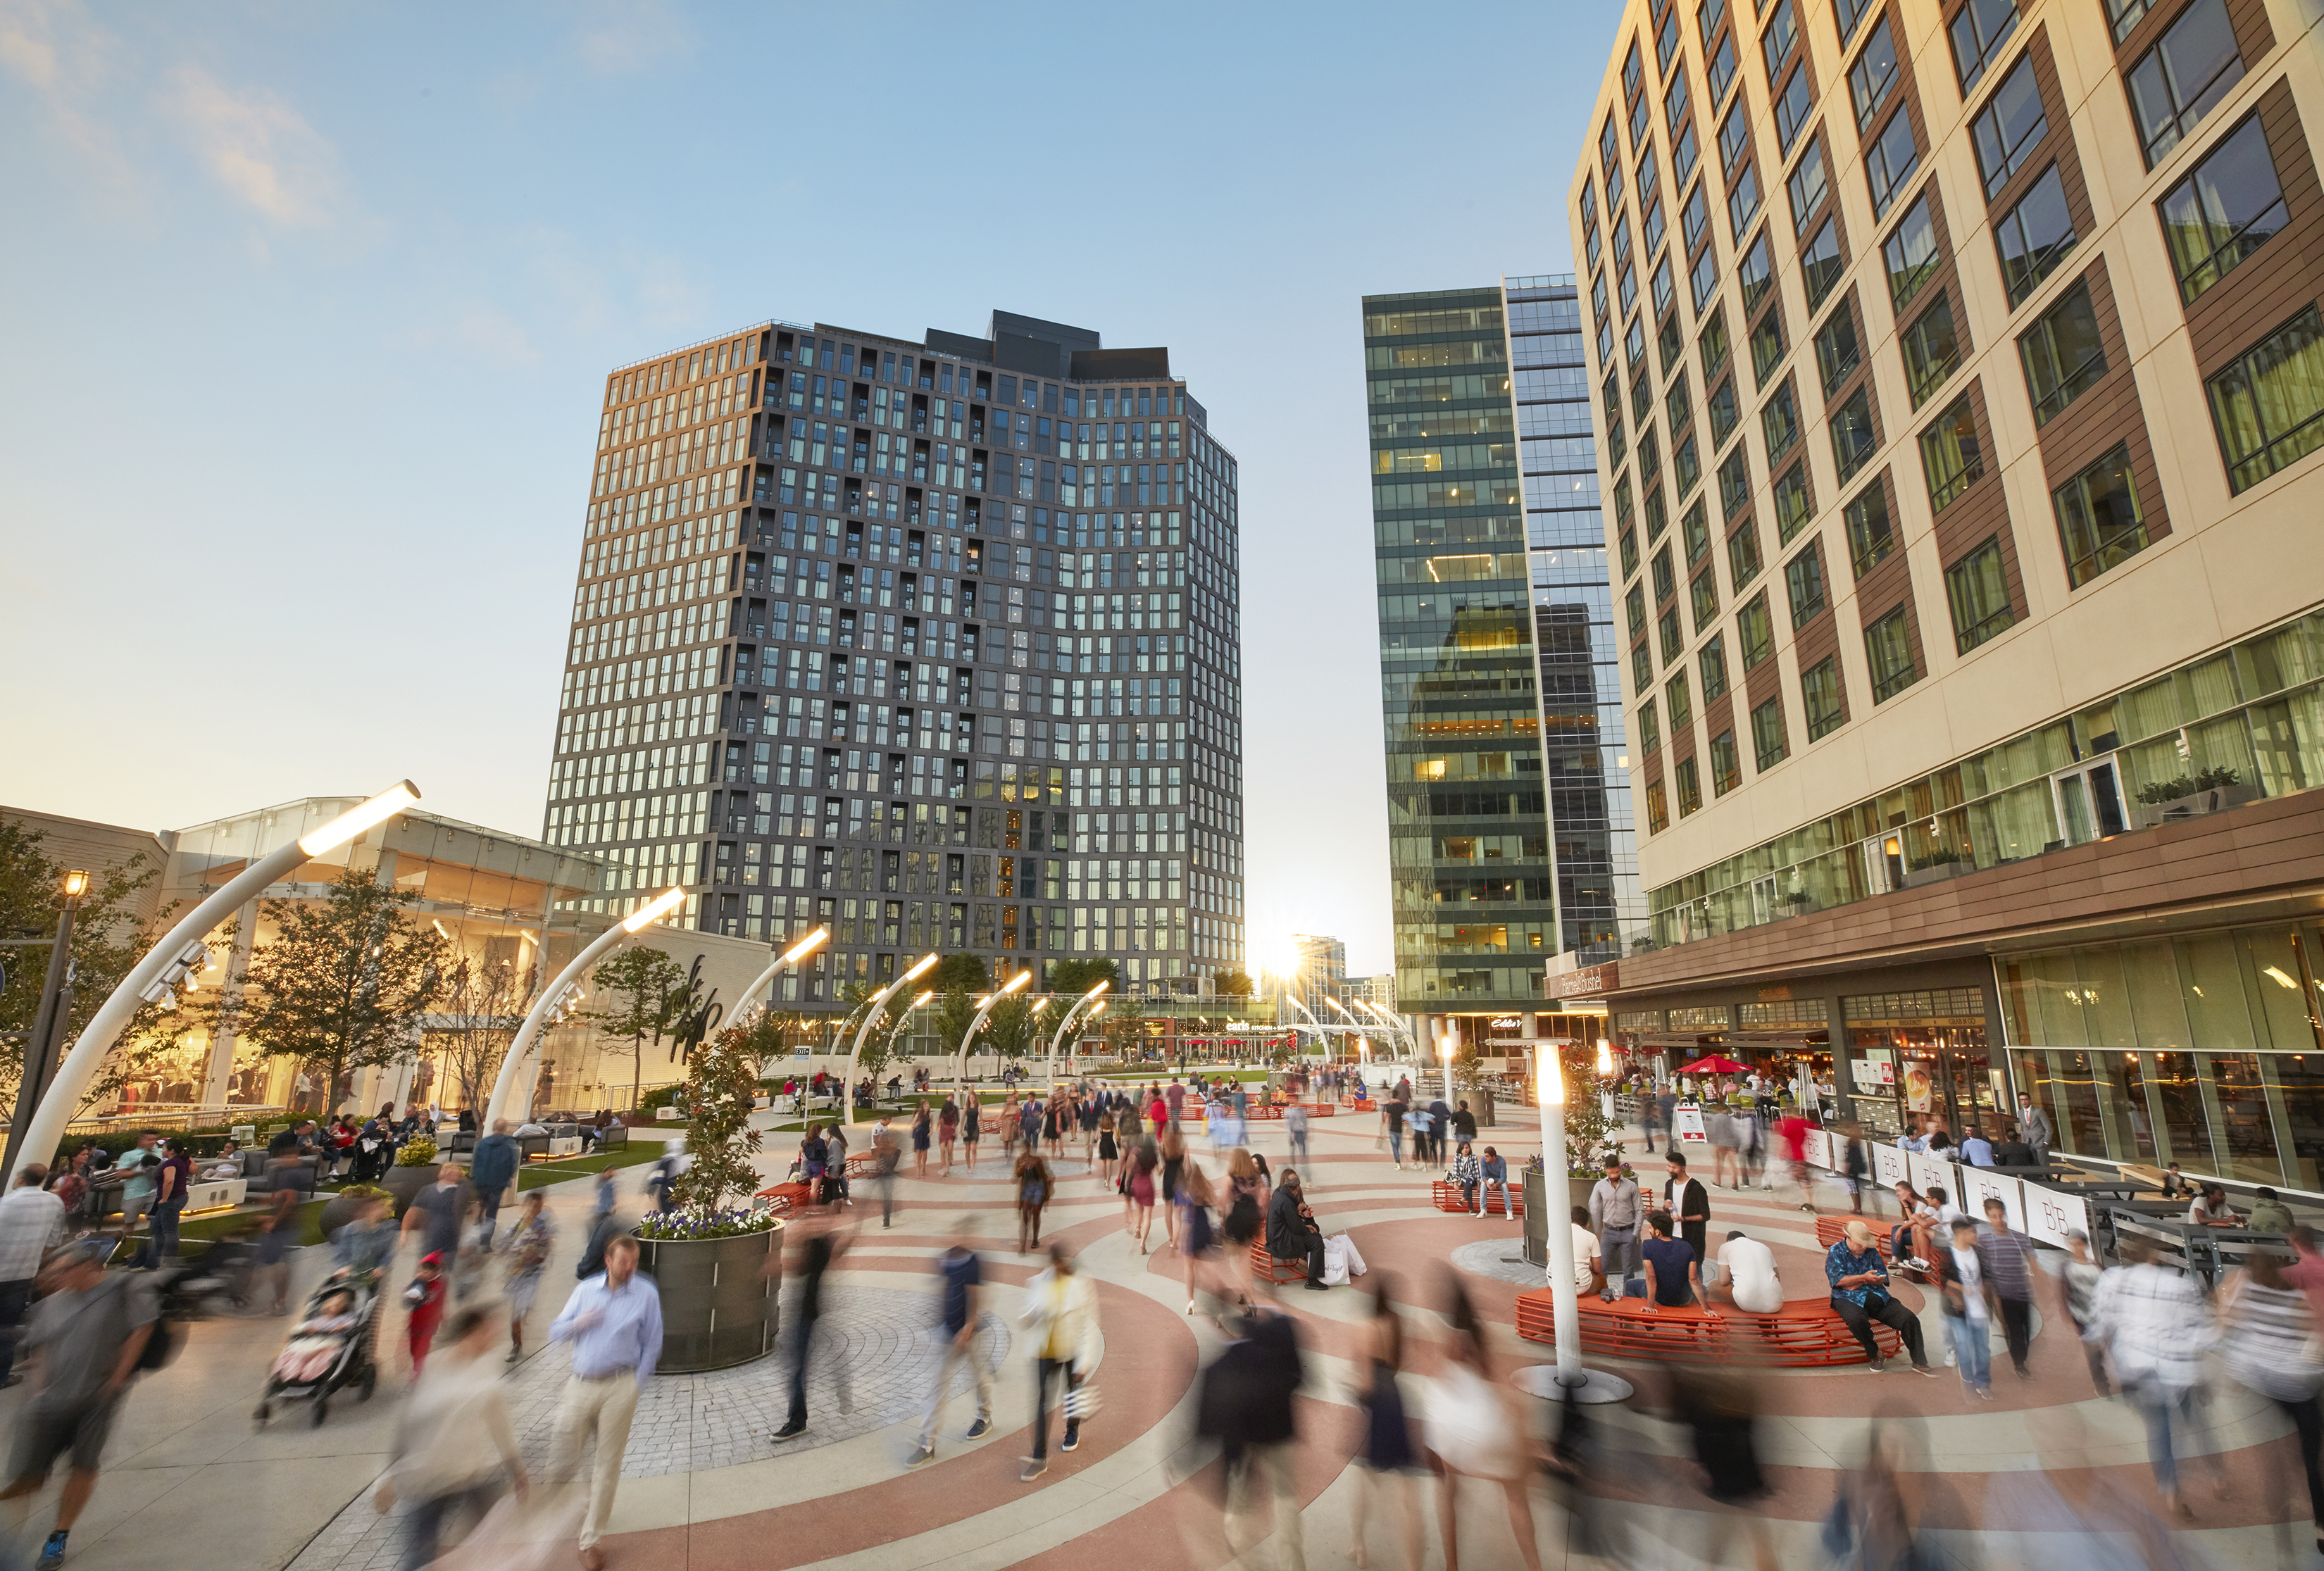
(615, 1323)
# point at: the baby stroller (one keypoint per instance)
(330, 1348)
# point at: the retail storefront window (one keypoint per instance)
(1920, 1054)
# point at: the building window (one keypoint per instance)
(1874, 74)
(1693, 216)
(1711, 659)
(1734, 481)
(2099, 520)
(1755, 631)
(1725, 769)
(2009, 127)
(1703, 593)
(1888, 647)
(1657, 517)
(1891, 161)
(1743, 555)
(2034, 236)
(1836, 350)
(1634, 606)
(1756, 273)
(1820, 263)
(1627, 293)
(1803, 582)
(1979, 29)
(1743, 202)
(1686, 468)
(2183, 76)
(1775, 43)
(1650, 231)
(1933, 350)
(1779, 422)
(1910, 254)
(1721, 70)
(1767, 343)
(1847, 14)
(1683, 151)
(1806, 185)
(1724, 415)
(2062, 355)
(1694, 530)
(1682, 706)
(1705, 276)
(1657, 809)
(2269, 405)
(1629, 554)
(1793, 106)
(1666, 580)
(1794, 505)
(1689, 789)
(1976, 589)
(1819, 692)
(1768, 744)
(1664, 288)
(2228, 207)
(1671, 643)
(1870, 537)
(1951, 457)
(1650, 727)
(1853, 440)
(1710, 343)
(2124, 15)
(1642, 666)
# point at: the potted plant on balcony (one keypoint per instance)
(1945, 863)
(711, 1255)
(2190, 795)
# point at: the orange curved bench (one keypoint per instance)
(1504, 1201)
(1268, 1268)
(1260, 1110)
(1830, 1230)
(1804, 1333)
(1320, 1109)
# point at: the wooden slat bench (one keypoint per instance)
(1500, 1201)
(1830, 1230)
(1805, 1334)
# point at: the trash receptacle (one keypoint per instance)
(1536, 1218)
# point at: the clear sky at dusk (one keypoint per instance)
(308, 310)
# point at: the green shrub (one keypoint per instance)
(418, 1151)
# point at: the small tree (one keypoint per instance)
(639, 984)
(1233, 984)
(955, 1013)
(1013, 1028)
(343, 984)
(1079, 976)
(722, 1076)
(483, 1002)
(961, 973)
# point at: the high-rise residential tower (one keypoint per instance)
(1507, 823)
(1960, 385)
(930, 642)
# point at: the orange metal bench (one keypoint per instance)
(1804, 1333)
(1268, 1268)
(1830, 1230)
(1502, 1200)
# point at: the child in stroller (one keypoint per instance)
(329, 1348)
(316, 1342)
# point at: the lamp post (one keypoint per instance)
(753, 1004)
(56, 1000)
(1015, 984)
(168, 962)
(872, 1014)
(1058, 1039)
(552, 1000)
(1589, 1385)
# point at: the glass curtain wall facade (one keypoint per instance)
(932, 643)
(1585, 756)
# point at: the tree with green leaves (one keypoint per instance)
(483, 1004)
(1013, 1026)
(1233, 984)
(879, 1043)
(960, 973)
(955, 1013)
(343, 983)
(722, 1076)
(641, 989)
(1079, 976)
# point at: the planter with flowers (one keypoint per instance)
(716, 1262)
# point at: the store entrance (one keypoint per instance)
(1914, 1056)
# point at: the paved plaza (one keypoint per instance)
(707, 1485)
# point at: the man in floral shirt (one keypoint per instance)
(1859, 1296)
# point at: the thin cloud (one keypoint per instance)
(57, 52)
(258, 147)
(619, 37)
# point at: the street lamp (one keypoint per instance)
(753, 1006)
(1058, 1039)
(56, 994)
(46, 1124)
(1015, 984)
(1567, 1374)
(872, 1014)
(554, 1001)
(1446, 1046)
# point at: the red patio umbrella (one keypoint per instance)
(1714, 1065)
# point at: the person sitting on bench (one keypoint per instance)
(1748, 1276)
(1672, 1279)
(1292, 1233)
(1496, 1169)
(1859, 1296)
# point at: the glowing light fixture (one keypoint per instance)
(660, 905)
(354, 822)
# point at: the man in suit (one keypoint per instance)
(1291, 1230)
(2035, 1126)
(1689, 1204)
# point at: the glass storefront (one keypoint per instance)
(2203, 1050)
(1919, 1052)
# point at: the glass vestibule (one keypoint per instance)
(1919, 1052)
(2202, 1050)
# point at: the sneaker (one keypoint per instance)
(1879, 1366)
(921, 1457)
(1071, 1441)
(1949, 1363)
(979, 1430)
(1928, 1369)
(53, 1553)
(1034, 1468)
(790, 1431)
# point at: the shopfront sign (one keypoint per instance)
(1889, 1166)
(1818, 1149)
(1980, 1184)
(1872, 1072)
(1585, 982)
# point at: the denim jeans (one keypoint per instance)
(2155, 1405)
(1395, 1146)
(1972, 1346)
(162, 1235)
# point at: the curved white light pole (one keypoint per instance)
(1589, 1385)
(1016, 983)
(872, 1014)
(165, 963)
(753, 1004)
(1057, 1040)
(504, 1100)
(1398, 1037)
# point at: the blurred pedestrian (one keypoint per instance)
(972, 1129)
(270, 1270)
(1061, 1318)
(530, 1239)
(1197, 1241)
(947, 1133)
(454, 1447)
(2157, 1328)
(1109, 1148)
(364, 1245)
(2269, 1343)
(1295, 1125)
(423, 1307)
(923, 1133)
(1969, 1319)
(614, 1321)
(1389, 1459)
(31, 1223)
(817, 1238)
(140, 1163)
(1246, 1405)
(2008, 1257)
(85, 1339)
(434, 1214)
(1720, 1408)
(1032, 1180)
(886, 1153)
(1139, 1191)
(2078, 1286)
(959, 1302)
(492, 1169)
(1473, 1432)
(172, 1181)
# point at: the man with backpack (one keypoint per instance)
(87, 1339)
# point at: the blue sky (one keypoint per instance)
(309, 307)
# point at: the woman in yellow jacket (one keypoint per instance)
(1061, 1320)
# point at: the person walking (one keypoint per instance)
(947, 1134)
(1062, 1322)
(972, 1130)
(885, 1155)
(1295, 1125)
(1969, 1320)
(1246, 1405)
(2007, 1258)
(86, 1339)
(1474, 1433)
(614, 1320)
(1859, 1296)
(1390, 1458)
(2078, 1286)
(454, 1444)
(492, 1169)
(923, 1130)
(1392, 1113)
(962, 1276)
(31, 1223)
(434, 1214)
(1614, 1215)
(1032, 1179)
(2156, 1328)
(1689, 1204)
(1108, 1150)
(1139, 1187)
(530, 1239)
(270, 1267)
(2269, 1345)
(817, 1240)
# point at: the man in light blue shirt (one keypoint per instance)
(1976, 1148)
(614, 1324)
